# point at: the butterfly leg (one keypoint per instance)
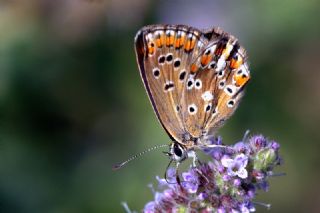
(177, 174)
(193, 155)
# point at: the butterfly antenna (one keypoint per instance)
(120, 165)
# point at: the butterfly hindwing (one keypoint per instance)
(216, 82)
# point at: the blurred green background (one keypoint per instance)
(72, 103)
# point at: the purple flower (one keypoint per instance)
(237, 182)
(258, 141)
(274, 145)
(264, 185)
(203, 196)
(161, 182)
(258, 175)
(214, 140)
(221, 210)
(216, 152)
(246, 207)
(227, 183)
(149, 207)
(191, 181)
(251, 193)
(241, 147)
(236, 166)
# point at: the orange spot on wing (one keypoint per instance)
(177, 42)
(193, 43)
(158, 42)
(169, 40)
(162, 39)
(205, 59)
(182, 40)
(187, 45)
(193, 68)
(151, 48)
(241, 80)
(235, 63)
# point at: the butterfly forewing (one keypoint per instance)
(194, 79)
(164, 54)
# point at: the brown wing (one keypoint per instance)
(215, 84)
(164, 54)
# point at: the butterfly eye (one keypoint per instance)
(177, 150)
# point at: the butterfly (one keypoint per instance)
(195, 80)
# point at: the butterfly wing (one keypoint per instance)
(215, 84)
(164, 54)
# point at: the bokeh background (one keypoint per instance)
(72, 103)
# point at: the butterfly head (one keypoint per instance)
(177, 152)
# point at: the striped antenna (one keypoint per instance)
(120, 165)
